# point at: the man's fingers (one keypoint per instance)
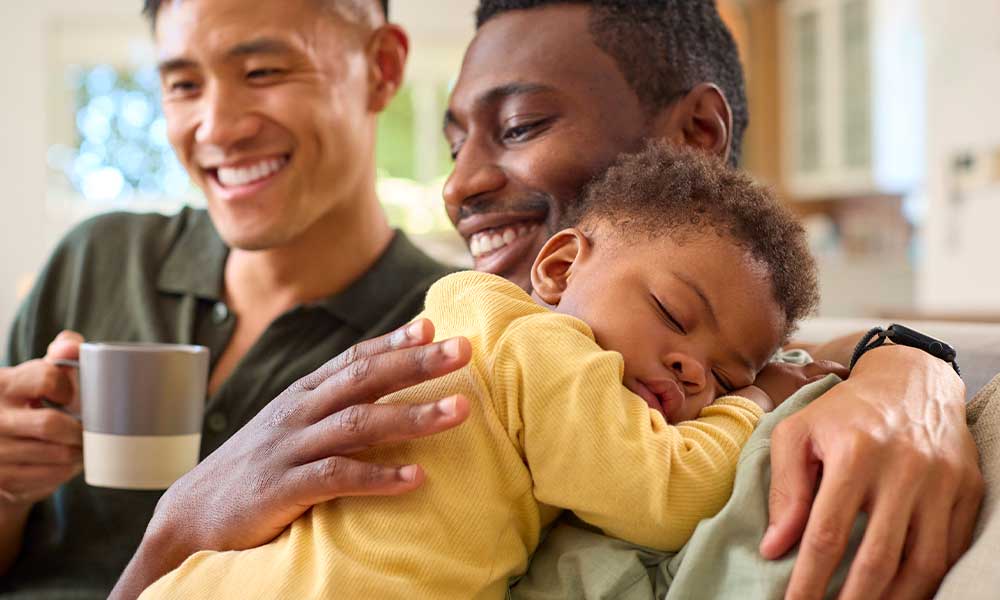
(368, 379)
(825, 539)
(963, 516)
(31, 452)
(363, 426)
(878, 556)
(926, 558)
(34, 380)
(417, 333)
(793, 482)
(46, 424)
(822, 368)
(338, 476)
(66, 346)
(34, 481)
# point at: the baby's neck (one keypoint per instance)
(540, 302)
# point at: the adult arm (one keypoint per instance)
(295, 453)
(838, 350)
(892, 442)
(40, 448)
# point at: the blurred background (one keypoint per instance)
(875, 120)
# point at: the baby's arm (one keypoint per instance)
(596, 448)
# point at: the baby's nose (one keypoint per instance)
(689, 371)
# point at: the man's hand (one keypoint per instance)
(40, 448)
(891, 442)
(295, 453)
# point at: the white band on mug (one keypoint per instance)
(138, 462)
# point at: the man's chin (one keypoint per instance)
(250, 239)
(512, 264)
(518, 272)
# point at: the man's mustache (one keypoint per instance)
(536, 202)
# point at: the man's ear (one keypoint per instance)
(701, 119)
(387, 51)
(554, 265)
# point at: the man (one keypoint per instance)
(550, 92)
(593, 118)
(273, 112)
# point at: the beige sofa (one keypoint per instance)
(978, 344)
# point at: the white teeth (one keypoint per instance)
(237, 176)
(485, 242)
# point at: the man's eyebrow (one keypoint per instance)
(252, 47)
(175, 64)
(500, 93)
(262, 45)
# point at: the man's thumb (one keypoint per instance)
(794, 472)
(65, 346)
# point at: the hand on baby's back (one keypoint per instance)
(778, 381)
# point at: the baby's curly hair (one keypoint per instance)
(664, 190)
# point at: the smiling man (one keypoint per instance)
(531, 122)
(550, 92)
(272, 107)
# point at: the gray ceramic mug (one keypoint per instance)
(142, 407)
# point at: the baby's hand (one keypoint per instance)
(757, 396)
(780, 380)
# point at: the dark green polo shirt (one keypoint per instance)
(151, 278)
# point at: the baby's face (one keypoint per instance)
(693, 321)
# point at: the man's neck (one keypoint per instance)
(322, 262)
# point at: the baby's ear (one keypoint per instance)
(552, 269)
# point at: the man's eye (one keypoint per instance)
(523, 131)
(181, 87)
(263, 73)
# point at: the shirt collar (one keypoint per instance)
(396, 273)
(196, 265)
(196, 262)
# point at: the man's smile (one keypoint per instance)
(499, 241)
(235, 180)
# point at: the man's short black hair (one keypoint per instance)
(663, 47)
(150, 8)
(676, 192)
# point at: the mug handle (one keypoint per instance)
(62, 362)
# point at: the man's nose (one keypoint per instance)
(475, 173)
(226, 119)
(690, 372)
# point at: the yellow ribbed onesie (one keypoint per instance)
(551, 428)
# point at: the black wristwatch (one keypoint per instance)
(905, 336)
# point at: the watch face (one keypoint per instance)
(900, 334)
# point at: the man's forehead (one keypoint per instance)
(549, 46)
(220, 26)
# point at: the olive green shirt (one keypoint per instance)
(151, 278)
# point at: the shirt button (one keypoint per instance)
(217, 422)
(220, 312)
